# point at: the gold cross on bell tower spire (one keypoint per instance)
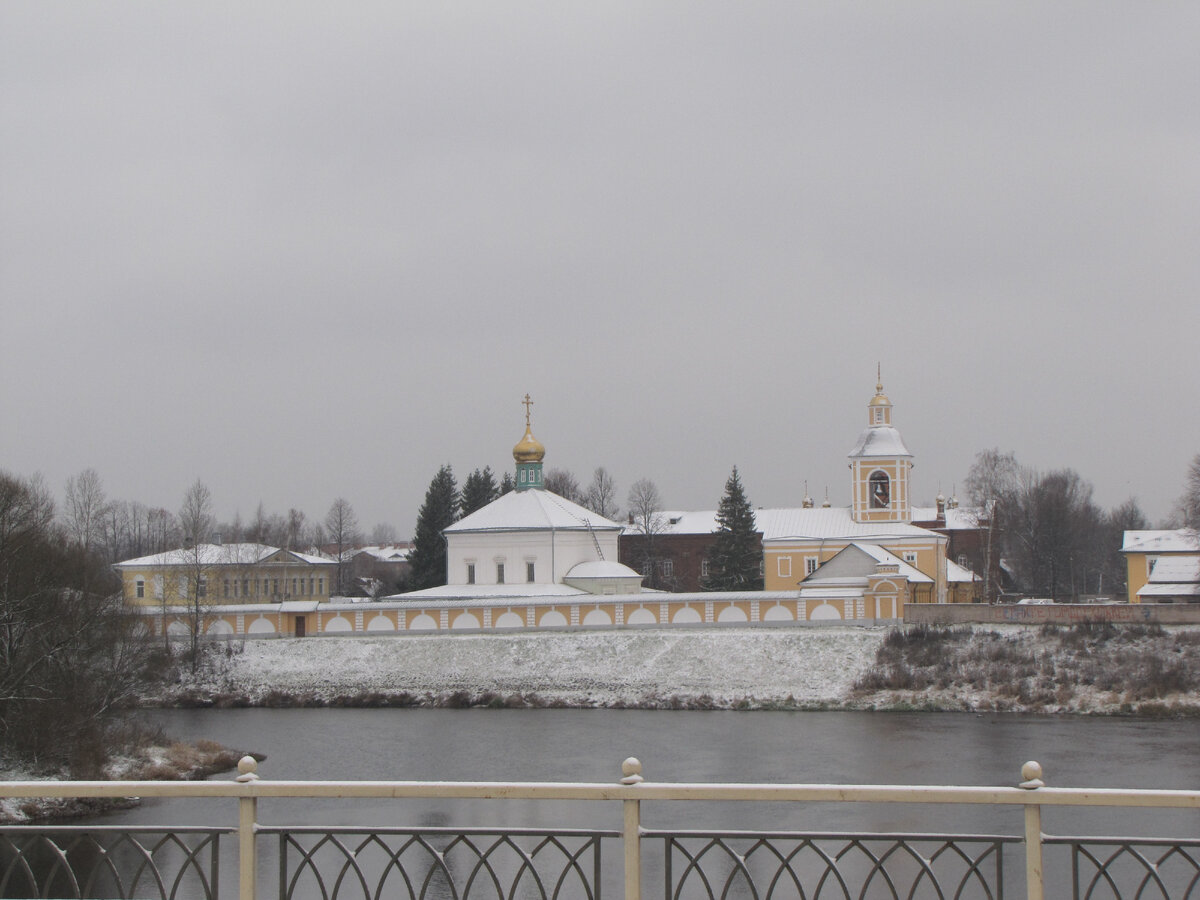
(528, 403)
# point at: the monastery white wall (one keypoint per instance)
(552, 553)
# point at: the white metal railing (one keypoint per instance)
(631, 791)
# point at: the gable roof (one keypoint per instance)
(531, 510)
(859, 560)
(219, 555)
(795, 523)
(1178, 540)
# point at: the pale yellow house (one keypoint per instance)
(223, 576)
(1145, 549)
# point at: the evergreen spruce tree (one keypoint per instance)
(439, 511)
(507, 484)
(734, 559)
(479, 490)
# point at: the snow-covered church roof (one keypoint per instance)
(880, 440)
(532, 510)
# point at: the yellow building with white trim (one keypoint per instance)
(908, 564)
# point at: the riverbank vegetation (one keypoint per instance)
(1087, 668)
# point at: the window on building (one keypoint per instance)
(310, 587)
(667, 567)
(762, 568)
(499, 573)
(810, 565)
(962, 560)
(529, 572)
(321, 586)
(225, 589)
(293, 587)
(470, 573)
(704, 568)
(139, 588)
(783, 567)
(246, 587)
(202, 587)
(910, 557)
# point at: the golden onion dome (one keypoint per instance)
(529, 449)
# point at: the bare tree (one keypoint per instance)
(991, 479)
(563, 483)
(196, 520)
(341, 526)
(1053, 533)
(85, 508)
(1189, 503)
(601, 495)
(295, 529)
(383, 533)
(645, 512)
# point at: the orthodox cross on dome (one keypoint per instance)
(528, 403)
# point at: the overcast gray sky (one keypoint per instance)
(306, 250)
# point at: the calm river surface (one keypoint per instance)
(589, 745)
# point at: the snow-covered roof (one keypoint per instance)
(459, 597)
(1170, 590)
(487, 591)
(880, 555)
(790, 523)
(532, 510)
(830, 522)
(1176, 570)
(963, 517)
(385, 554)
(599, 568)
(1178, 540)
(880, 440)
(957, 573)
(219, 555)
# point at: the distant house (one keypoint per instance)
(1162, 566)
(379, 569)
(223, 575)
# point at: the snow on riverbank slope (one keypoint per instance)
(809, 665)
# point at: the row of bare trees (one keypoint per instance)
(71, 658)
(1053, 537)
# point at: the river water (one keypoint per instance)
(589, 745)
(691, 746)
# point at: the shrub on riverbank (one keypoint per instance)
(1080, 668)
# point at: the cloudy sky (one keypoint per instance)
(307, 250)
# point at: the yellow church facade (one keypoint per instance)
(909, 564)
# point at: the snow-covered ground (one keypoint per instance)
(809, 665)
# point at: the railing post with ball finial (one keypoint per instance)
(631, 772)
(1031, 772)
(247, 820)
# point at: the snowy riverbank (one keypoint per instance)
(693, 667)
(1122, 670)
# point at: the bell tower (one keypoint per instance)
(879, 466)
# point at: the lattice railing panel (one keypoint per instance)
(1137, 868)
(433, 864)
(790, 866)
(110, 863)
